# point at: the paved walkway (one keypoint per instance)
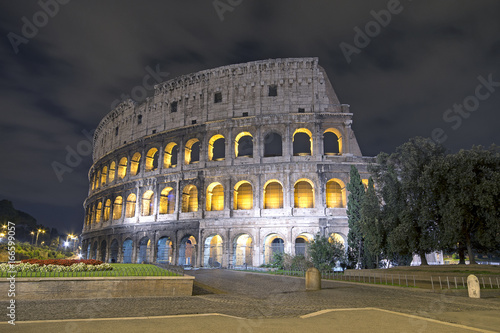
(251, 302)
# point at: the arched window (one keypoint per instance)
(304, 194)
(167, 201)
(107, 210)
(301, 243)
(215, 197)
(112, 170)
(98, 212)
(135, 164)
(170, 157)
(243, 145)
(92, 215)
(302, 142)
(164, 249)
(147, 203)
(336, 238)
(213, 251)
(190, 199)
(273, 145)
(122, 168)
(243, 250)
(117, 208)
(332, 142)
(97, 179)
(92, 181)
(192, 151)
(104, 175)
(130, 209)
(273, 244)
(217, 148)
(128, 246)
(243, 195)
(273, 195)
(335, 192)
(152, 160)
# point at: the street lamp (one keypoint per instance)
(2, 235)
(32, 237)
(37, 233)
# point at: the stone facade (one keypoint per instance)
(222, 168)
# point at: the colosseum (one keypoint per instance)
(222, 168)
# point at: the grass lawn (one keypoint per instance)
(118, 270)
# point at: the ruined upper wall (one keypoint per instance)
(225, 92)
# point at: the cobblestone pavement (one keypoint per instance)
(252, 295)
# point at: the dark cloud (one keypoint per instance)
(65, 79)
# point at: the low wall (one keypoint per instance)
(97, 287)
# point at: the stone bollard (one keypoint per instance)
(313, 279)
(473, 286)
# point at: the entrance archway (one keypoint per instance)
(187, 251)
(164, 251)
(243, 251)
(213, 252)
(144, 250)
(113, 251)
(127, 251)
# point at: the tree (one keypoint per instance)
(325, 254)
(355, 236)
(370, 225)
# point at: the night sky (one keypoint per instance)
(59, 80)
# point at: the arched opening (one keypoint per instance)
(117, 208)
(144, 250)
(164, 251)
(89, 254)
(273, 145)
(273, 195)
(301, 243)
(192, 151)
(92, 181)
(243, 251)
(332, 142)
(213, 252)
(122, 168)
(113, 251)
(97, 179)
(243, 145)
(98, 212)
(273, 244)
(92, 215)
(103, 251)
(335, 193)
(167, 201)
(130, 209)
(127, 249)
(215, 197)
(336, 238)
(171, 154)
(302, 142)
(217, 148)
(112, 171)
(152, 159)
(104, 175)
(187, 251)
(190, 199)
(243, 195)
(107, 210)
(94, 251)
(304, 194)
(135, 164)
(147, 203)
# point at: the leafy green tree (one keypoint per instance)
(325, 254)
(355, 236)
(373, 233)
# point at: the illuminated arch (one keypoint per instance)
(92, 181)
(170, 156)
(243, 145)
(273, 194)
(332, 142)
(167, 201)
(192, 151)
(300, 138)
(164, 250)
(144, 250)
(152, 159)
(273, 244)
(243, 195)
(135, 163)
(243, 250)
(112, 171)
(117, 208)
(335, 193)
(338, 238)
(212, 254)
(304, 193)
(273, 144)
(98, 179)
(190, 199)
(107, 210)
(104, 175)
(216, 148)
(98, 212)
(122, 168)
(187, 251)
(215, 197)
(147, 203)
(301, 243)
(130, 208)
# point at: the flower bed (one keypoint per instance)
(79, 266)
(61, 262)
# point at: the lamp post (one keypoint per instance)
(2, 235)
(32, 237)
(37, 233)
